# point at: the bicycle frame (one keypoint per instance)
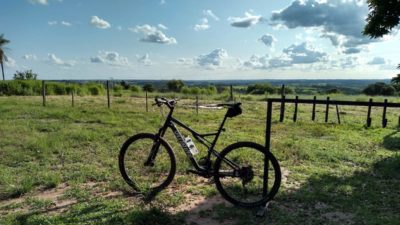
(171, 123)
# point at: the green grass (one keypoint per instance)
(352, 171)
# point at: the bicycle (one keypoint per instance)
(147, 162)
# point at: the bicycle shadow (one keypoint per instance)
(366, 197)
(392, 141)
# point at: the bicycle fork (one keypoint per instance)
(154, 149)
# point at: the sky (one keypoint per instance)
(194, 40)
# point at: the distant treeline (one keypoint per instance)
(34, 87)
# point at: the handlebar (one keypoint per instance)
(168, 102)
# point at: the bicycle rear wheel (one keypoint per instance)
(239, 174)
(154, 176)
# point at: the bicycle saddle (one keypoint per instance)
(234, 109)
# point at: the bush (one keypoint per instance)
(95, 89)
(148, 88)
(260, 89)
(118, 88)
(380, 88)
(20, 87)
(135, 88)
(26, 75)
(175, 85)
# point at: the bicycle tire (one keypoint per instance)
(254, 147)
(132, 181)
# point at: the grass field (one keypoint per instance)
(58, 165)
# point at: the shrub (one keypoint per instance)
(26, 75)
(148, 87)
(95, 89)
(260, 89)
(175, 85)
(135, 88)
(379, 88)
(118, 88)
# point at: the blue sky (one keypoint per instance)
(191, 39)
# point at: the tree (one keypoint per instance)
(383, 16)
(260, 89)
(26, 75)
(3, 42)
(148, 87)
(175, 85)
(125, 85)
(379, 88)
(396, 81)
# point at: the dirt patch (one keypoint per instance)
(321, 206)
(289, 184)
(200, 208)
(54, 195)
(339, 217)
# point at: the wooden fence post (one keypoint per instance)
(384, 120)
(313, 109)
(231, 93)
(283, 90)
(108, 94)
(44, 92)
(197, 105)
(72, 95)
(147, 104)
(327, 110)
(369, 119)
(295, 108)
(338, 114)
(282, 115)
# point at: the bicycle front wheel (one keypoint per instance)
(152, 176)
(242, 179)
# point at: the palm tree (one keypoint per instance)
(2, 55)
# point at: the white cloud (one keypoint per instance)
(64, 23)
(161, 26)
(210, 14)
(162, 2)
(185, 61)
(153, 35)
(247, 21)
(341, 21)
(144, 60)
(279, 62)
(203, 25)
(29, 57)
(296, 54)
(40, 2)
(304, 53)
(382, 63)
(99, 23)
(9, 62)
(212, 60)
(52, 23)
(54, 60)
(377, 61)
(268, 39)
(256, 62)
(349, 62)
(110, 58)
